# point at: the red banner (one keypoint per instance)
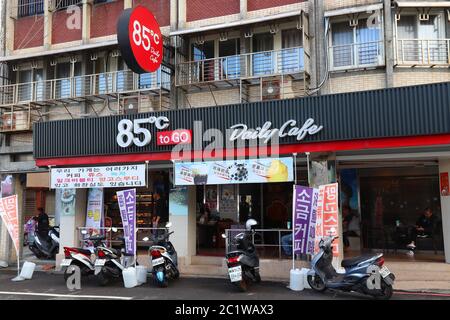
(10, 215)
(444, 184)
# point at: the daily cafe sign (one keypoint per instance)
(136, 133)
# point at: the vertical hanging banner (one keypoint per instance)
(304, 211)
(327, 220)
(127, 206)
(94, 210)
(9, 212)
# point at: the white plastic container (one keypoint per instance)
(27, 270)
(141, 272)
(296, 280)
(304, 272)
(129, 278)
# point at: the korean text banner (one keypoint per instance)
(127, 206)
(10, 216)
(99, 177)
(234, 171)
(304, 210)
(327, 218)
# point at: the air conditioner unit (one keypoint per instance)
(130, 105)
(15, 121)
(271, 89)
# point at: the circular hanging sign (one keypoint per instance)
(140, 40)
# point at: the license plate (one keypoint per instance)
(384, 272)
(65, 262)
(100, 262)
(157, 262)
(235, 274)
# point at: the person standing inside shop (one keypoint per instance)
(244, 210)
(43, 223)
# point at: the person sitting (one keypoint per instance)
(424, 228)
(43, 223)
(286, 244)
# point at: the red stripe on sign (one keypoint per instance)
(331, 146)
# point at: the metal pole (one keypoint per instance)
(293, 227)
(307, 163)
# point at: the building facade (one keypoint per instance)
(232, 62)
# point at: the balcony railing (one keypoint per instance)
(83, 87)
(356, 55)
(423, 52)
(258, 64)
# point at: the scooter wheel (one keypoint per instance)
(102, 280)
(242, 285)
(386, 292)
(162, 284)
(316, 283)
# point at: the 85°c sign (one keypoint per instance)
(140, 40)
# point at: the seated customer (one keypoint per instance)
(286, 243)
(424, 227)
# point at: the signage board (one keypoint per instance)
(234, 171)
(98, 177)
(140, 40)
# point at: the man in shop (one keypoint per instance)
(244, 210)
(424, 228)
(157, 211)
(43, 223)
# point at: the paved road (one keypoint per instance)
(51, 286)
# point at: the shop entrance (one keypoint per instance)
(381, 208)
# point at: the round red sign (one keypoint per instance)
(140, 40)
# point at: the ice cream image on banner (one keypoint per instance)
(278, 171)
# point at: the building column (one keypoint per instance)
(444, 167)
(48, 24)
(244, 6)
(181, 14)
(184, 237)
(389, 43)
(86, 27)
(68, 236)
(173, 15)
(128, 4)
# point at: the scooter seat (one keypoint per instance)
(354, 261)
(84, 251)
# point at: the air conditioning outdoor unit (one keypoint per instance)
(271, 90)
(15, 121)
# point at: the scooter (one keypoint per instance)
(243, 264)
(164, 258)
(46, 247)
(81, 257)
(111, 262)
(357, 274)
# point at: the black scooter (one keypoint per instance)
(163, 257)
(48, 246)
(243, 264)
(111, 262)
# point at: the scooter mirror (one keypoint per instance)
(168, 225)
(224, 235)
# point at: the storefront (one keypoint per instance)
(386, 148)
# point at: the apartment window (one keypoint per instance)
(421, 41)
(230, 62)
(26, 8)
(263, 61)
(66, 74)
(64, 4)
(25, 86)
(292, 54)
(355, 46)
(203, 70)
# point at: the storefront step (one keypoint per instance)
(208, 260)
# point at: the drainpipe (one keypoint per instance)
(388, 40)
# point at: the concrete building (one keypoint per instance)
(62, 62)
